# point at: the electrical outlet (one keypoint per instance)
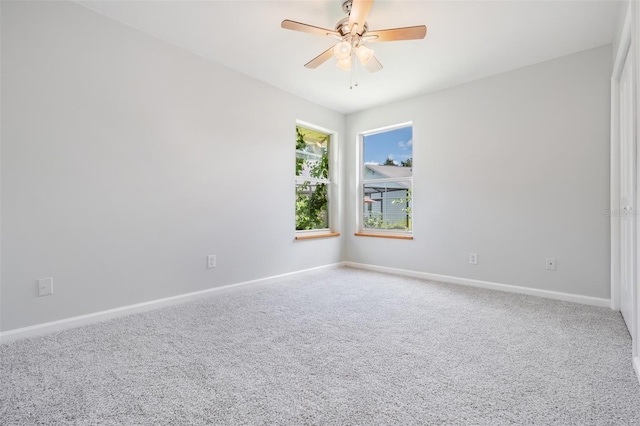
(551, 263)
(211, 261)
(473, 258)
(45, 286)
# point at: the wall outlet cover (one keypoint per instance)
(45, 286)
(551, 263)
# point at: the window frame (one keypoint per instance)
(332, 187)
(373, 232)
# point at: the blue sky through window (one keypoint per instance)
(396, 144)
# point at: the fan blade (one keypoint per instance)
(406, 33)
(358, 15)
(373, 65)
(306, 28)
(320, 59)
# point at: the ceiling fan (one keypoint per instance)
(352, 33)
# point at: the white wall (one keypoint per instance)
(514, 167)
(125, 161)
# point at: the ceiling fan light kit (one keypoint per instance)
(344, 64)
(364, 54)
(342, 50)
(352, 32)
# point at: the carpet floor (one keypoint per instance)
(337, 347)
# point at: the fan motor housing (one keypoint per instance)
(343, 27)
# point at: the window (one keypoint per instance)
(313, 182)
(386, 182)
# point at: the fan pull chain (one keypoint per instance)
(355, 60)
(354, 72)
(351, 73)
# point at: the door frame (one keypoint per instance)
(629, 39)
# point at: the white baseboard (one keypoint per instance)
(67, 323)
(636, 366)
(586, 300)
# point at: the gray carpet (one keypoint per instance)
(339, 347)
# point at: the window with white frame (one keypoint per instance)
(313, 180)
(386, 181)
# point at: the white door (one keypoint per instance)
(627, 191)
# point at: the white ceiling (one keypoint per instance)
(466, 40)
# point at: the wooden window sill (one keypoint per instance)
(313, 236)
(394, 236)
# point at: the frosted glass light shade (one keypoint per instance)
(342, 50)
(344, 64)
(364, 54)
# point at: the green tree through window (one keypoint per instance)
(312, 179)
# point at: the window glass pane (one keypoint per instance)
(312, 153)
(387, 205)
(388, 154)
(312, 205)
(312, 164)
